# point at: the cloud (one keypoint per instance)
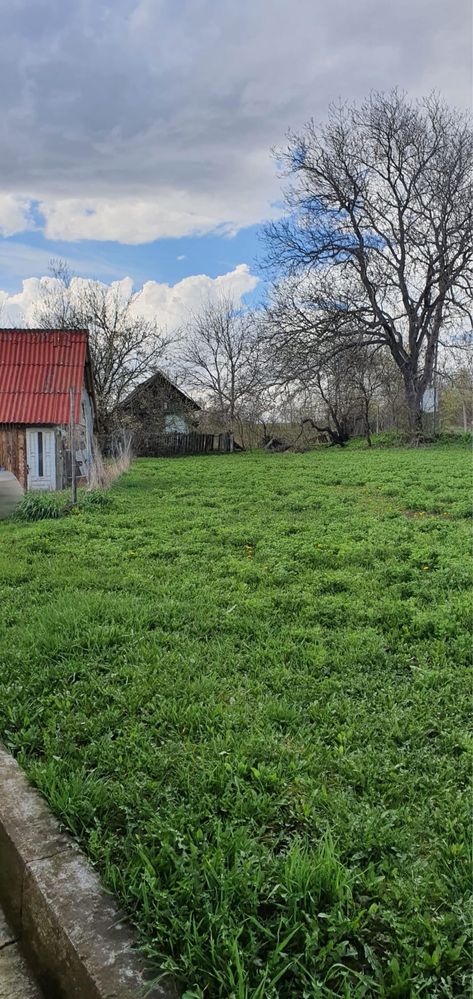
(130, 220)
(177, 302)
(169, 305)
(138, 120)
(14, 214)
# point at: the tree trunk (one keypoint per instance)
(367, 422)
(339, 436)
(414, 406)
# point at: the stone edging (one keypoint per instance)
(72, 933)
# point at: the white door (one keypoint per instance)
(41, 458)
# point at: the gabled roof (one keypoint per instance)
(37, 370)
(157, 376)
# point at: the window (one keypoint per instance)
(175, 424)
(40, 455)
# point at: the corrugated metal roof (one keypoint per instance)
(37, 370)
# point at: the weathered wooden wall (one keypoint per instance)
(13, 450)
(13, 453)
(146, 410)
(168, 445)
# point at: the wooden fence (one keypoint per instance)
(173, 444)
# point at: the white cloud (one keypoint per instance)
(167, 213)
(19, 309)
(14, 214)
(176, 302)
(169, 305)
(136, 120)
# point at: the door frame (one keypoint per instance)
(51, 482)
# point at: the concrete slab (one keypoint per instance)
(16, 981)
(7, 935)
(67, 913)
(78, 942)
(28, 831)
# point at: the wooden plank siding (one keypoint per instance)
(13, 450)
(173, 444)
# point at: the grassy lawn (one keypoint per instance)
(243, 685)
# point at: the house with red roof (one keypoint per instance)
(47, 406)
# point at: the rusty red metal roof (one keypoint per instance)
(37, 370)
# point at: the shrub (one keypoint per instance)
(455, 437)
(41, 506)
(52, 506)
(93, 498)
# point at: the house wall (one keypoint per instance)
(61, 457)
(13, 450)
(150, 413)
(85, 438)
(84, 446)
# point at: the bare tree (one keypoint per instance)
(339, 397)
(368, 379)
(221, 357)
(377, 247)
(455, 378)
(125, 347)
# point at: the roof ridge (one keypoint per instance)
(23, 331)
(147, 381)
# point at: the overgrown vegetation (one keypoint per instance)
(106, 470)
(243, 687)
(40, 506)
(52, 506)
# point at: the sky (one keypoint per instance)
(136, 135)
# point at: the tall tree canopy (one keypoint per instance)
(377, 246)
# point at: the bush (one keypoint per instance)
(455, 437)
(390, 438)
(41, 506)
(387, 438)
(93, 498)
(52, 506)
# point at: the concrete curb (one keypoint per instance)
(77, 942)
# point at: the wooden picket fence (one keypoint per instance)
(173, 444)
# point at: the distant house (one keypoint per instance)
(38, 369)
(154, 408)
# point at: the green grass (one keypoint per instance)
(243, 685)
(52, 506)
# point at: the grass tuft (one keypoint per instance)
(52, 506)
(40, 506)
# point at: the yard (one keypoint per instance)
(242, 683)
